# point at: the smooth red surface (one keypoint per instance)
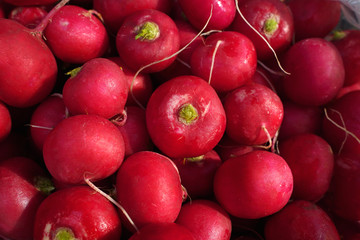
(28, 16)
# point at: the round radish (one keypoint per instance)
(148, 187)
(5, 122)
(83, 147)
(98, 87)
(163, 231)
(147, 36)
(254, 185)
(77, 213)
(185, 117)
(30, 16)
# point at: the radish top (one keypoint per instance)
(148, 31)
(188, 114)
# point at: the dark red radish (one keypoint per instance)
(148, 187)
(197, 12)
(45, 117)
(197, 173)
(270, 18)
(348, 230)
(226, 60)
(83, 147)
(16, 144)
(114, 11)
(228, 148)
(2, 12)
(147, 36)
(77, 213)
(312, 17)
(29, 3)
(254, 114)
(134, 131)
(206, 219)
(28, 68)
(348, 44)
(176, 69)
(140, 88)
(23, 186)
(5, 122)
(185, 117)
(301, 220)
(311, 161)
(98, 87)
(254, 185)
(29, 16)
(341, 124)
(76, 35)
(346, 89)
(300, 119)
(316, 72)
(163, 231)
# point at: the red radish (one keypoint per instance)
(272, 19)
(23, 186)
(317, 72)
(83, 147)
(45, 117)
(16, 144)
(99, 87)
(163, 231)
(76, 35)
(77, 213)
(206, 220)
(147, 36)
(5, 122)
(346, 89)
(311, 17)
(176, 69)
(311, 161)
(197, 12)
(197, 173)
(134, 131)
(114, 11)
(348, 44)
(30, 16)
(227, 60)
(254, 114)
(254, 185)
(148, 187)
(300, 119)
(185, 117)
(301, 220)
(30, 3)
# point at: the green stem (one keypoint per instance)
(188, 113)
(64, 234)
(44, 184)
(148, 31)
(270, 25)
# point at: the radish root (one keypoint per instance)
(270, 140)
(213, 60)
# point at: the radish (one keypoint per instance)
(311, 161)
(148, 187)
(301, 220)
(254, 114)
(77, 213)
(163, 231)
(29, 3)
(76, 35)
(23, 186)
(98, 87)
(5, 122)
(185, 117)
(272, 19)
(227, 60)
(254, 185)
(29, 16)
(206, 220)
(317, 72)
(147, 36)
(83, 147)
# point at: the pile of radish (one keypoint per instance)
(179, 119)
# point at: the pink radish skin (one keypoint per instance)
(83, 146)
(254, 185)
(206, 220)
(99, 87)
(311, 161)
(250, 110)
(163, 231)
(234, 61)
(22, 181)
(198, 12)
(32, 73)
(148, 187)
(317, 72)
(185, 117)
(77, 213)
(147, 36)
(5, 122)
(30, 16)
(45, 117)
(272, 19)
(301, 220)
(75, 35)
(197, 174)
